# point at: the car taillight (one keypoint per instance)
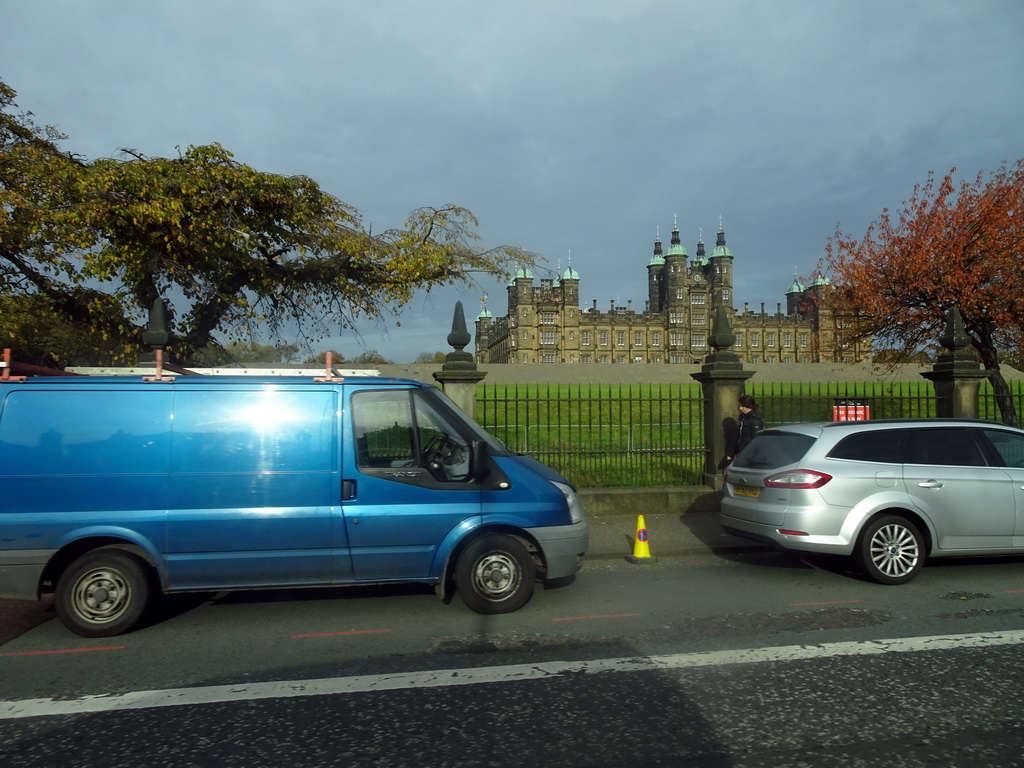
(797, 478)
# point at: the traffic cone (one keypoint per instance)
(641, 547)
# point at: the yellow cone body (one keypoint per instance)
(641, 547)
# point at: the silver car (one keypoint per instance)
(887, 493)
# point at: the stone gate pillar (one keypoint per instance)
(956, 375)
(722, 378)
(459, 376)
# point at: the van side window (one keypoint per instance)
(884, 445)
(1009, 446)
(944, 445)
(384, 429)
(405, 429)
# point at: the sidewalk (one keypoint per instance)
(669, 535)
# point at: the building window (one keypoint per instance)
(676, 317)
(680, 293)
(603, 360)
(655, 338)
(677, 359)
(725, 296)
(585, 338)
(656, 359)
(770, 359)
(803, 340)
(698, 298)
(547, 337)
(698, 318)
(769, 341)
(602, 338)
(638, 359)
(675, 339)
(620, 359)
(585, 359)
(547, 318)
(739, 339)
(547, 357)
(755, 338)
(787, 341)
(699, 340)
(620, 338)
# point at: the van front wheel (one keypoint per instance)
(103, 593)
(495, 574)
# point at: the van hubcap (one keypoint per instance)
(496, 575)
(100, 595)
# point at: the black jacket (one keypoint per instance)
(750, 424)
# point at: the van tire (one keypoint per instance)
(495, 574)
(103, 593)
(891, 550)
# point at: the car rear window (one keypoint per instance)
(771, 448)
(881, 445)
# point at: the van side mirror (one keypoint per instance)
(481, 460)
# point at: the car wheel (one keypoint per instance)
(891, 550)
(495, 574)
(103, 593)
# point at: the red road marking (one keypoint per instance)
(606, 616)
(350, 632)
(1011, 591)
(67, 650)
(830, 602)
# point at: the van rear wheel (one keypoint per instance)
(103, 593)
(495, 574)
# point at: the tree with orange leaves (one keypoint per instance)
(950, 245)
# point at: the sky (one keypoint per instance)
(568, 127)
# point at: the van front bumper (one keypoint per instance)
(562, 547)
(21, 571)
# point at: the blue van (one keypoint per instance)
(114, 489)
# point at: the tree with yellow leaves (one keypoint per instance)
(231, 248)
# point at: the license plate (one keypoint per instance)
(746, 490)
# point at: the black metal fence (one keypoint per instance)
(602, 435)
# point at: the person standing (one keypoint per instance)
(751, 423)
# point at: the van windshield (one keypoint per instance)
(771, 449)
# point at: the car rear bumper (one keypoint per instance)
(771, 534)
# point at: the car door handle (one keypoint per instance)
(930, 484)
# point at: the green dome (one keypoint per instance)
(677, 249)
(656, 260)
(485, 312)
(570, 274)
(795, 287)
(721, 250)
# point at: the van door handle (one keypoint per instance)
(348, 490)
(930, 484)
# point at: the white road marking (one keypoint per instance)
(10, 710)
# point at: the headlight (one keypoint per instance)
(573, 500)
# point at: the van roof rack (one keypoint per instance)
(24, 370)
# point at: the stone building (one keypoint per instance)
(545, 323)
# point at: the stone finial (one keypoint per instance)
(955, 339)
(722, 336)
(459, 338)
(156, 334)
